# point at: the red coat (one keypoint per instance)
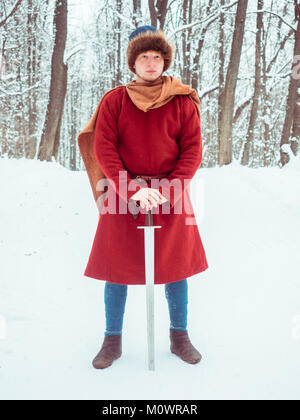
(162, 140)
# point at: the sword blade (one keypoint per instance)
(149, 274)
(149, 269)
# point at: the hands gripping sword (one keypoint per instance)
(149, 272)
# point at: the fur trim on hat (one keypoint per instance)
(146, 41)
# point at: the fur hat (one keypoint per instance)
(147, 38)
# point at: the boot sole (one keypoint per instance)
(194, 362)
(106, 366)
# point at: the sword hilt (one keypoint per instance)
(149, 218)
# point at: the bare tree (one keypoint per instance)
(51, 133)
(225, 130)
(257, 84)
(119, 49)
(196, 60)
(221, 66)
(292, 109)
(19, 120)
(265, 92)
(158, 11)
(32, 78)
(186, 41)
(136, 15)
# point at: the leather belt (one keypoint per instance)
(149, 177)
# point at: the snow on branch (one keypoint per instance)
(2, 22)
(19, 93)
(208, 20)
(128, 21)
(275, 14)
(207, 91)
(74, 51)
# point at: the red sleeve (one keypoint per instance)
(190, 155)
(106, 148)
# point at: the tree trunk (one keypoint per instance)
(296, 126)
(291, 110)
(257, 85)
(136, 15)
(73, 103)
(225, 136)
(265, 96)
(221, 65)
(186, 42)
(58, 86)
(32, 77)
(158, 11)
(196, 61)
(153, 13)
(119, 49)
(19, 106)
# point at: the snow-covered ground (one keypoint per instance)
(244, 311)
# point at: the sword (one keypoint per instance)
(149, 273)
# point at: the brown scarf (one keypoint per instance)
(149, 96)
(144, 96)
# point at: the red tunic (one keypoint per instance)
(162, 140)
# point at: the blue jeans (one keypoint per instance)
(115, 299)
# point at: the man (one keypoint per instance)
(145, 139)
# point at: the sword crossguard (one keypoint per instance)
(149, 221)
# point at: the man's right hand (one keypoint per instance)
(149, 198)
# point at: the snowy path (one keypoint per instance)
(244, 311)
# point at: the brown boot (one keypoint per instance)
(182, 346)
(111, 349)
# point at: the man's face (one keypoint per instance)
(148, 66)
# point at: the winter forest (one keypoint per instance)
(58, 58)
